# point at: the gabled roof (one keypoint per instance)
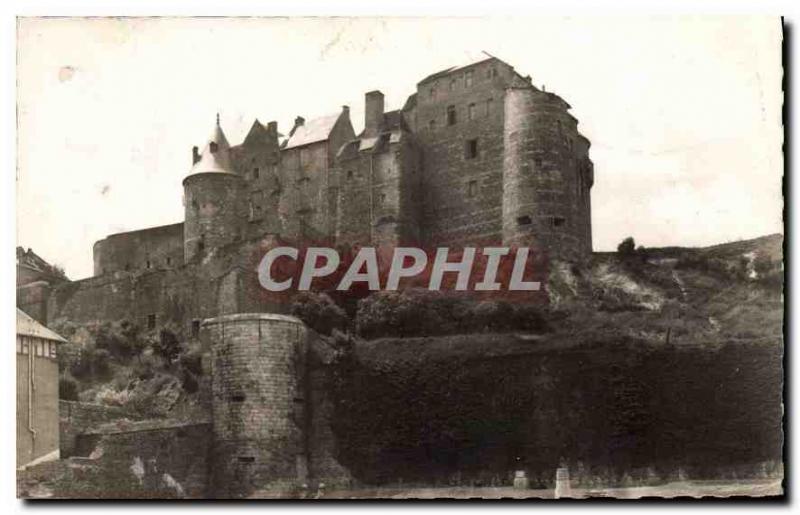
(312, 131)
(215, 157)
(27, 326)
(256, 134)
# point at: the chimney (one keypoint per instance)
(373, 113)
(299, 121)
(195, 155)
(272, 128)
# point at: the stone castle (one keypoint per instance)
(477, 155)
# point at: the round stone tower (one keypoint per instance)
(258, 403)
(213, 199)
(547, 177)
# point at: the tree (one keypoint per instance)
(627, 247)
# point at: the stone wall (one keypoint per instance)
(76, 418)
(32, 298)
(379, 191)
(546, 182)
(462, 192)
(215, 213)
(143, 460)
(152, 248)
(258, 404)
(257, 160)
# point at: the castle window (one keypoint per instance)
(169, 261)
(468, 79)
(471, 111)
(147, 264)
(537, 162)
(237, 397)
(451, 115)
(381, 199)
(151, 321)
(349, 175)
(246, 459)
(472, 188)
(558, 221)
(432, 125)
(201, 245)
(255, 173)
(471, 149)
(195, 328)
(432, 92)
(213, 147)
(492, 72)
(524, 220)
(453, 84)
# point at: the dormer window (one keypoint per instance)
(213, 147)
(255, 173)
(468, 79)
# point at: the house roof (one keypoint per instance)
(312, 131)
(27, 326)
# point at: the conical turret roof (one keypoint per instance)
(216, 155)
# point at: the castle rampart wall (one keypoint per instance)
(152, 248)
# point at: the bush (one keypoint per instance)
(627, 247)
(147, 365)
(424, 313)
(167, 345)
(319, 312)
(67, 388)
(121, 340)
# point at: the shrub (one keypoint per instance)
(319, 312)
(424, 313)
(627, 247)
(167, 345)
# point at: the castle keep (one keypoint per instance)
(476, 156)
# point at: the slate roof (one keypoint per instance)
(218, 161)
(312, 131)
(27, 326)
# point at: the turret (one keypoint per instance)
(213, 199)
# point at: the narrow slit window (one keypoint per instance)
(472, 149)
(523, 220)
(472, 188)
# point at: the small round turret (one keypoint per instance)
(213, 199)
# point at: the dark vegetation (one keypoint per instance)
(119, 364)
(618, 391)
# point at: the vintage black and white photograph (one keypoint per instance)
(513, 257)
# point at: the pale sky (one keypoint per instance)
(684, 114)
